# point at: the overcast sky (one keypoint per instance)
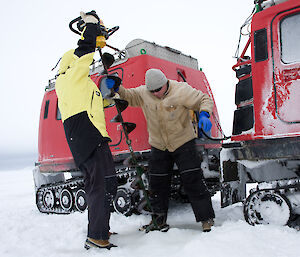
(35, 33)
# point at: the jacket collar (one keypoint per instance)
(167, 91)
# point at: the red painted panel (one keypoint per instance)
(276, 85)
(54, 153)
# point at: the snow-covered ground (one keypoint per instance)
(26, 232)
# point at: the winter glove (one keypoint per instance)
(88, 18)
(204, 121)
(110, 83)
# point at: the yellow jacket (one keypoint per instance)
(77, 92)
(81, 105)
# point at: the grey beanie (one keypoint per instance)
(155, 79)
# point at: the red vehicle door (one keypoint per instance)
(285, 29)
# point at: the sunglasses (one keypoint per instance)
(156, 90)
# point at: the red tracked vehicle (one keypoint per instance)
(265, 145)
(59, 183)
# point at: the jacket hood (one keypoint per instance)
(66, 61)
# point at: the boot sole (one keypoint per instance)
(146, 230)
(89, 244)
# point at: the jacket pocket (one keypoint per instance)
(151, 107)
(95, 107)
(172, 112)
(173, 118)
(150, 111)
(92, 99)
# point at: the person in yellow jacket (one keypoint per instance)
(81, 105)
(166, 104)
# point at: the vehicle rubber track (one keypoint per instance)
(69, 196)
(269, 203)
(62, 197)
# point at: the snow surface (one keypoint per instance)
(24, 231)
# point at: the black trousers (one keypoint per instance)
(100, 187)
(189, 164)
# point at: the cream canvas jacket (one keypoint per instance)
(168, 120)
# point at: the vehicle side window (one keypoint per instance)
(46, 109)
(58, 115)
(260, 45)
(290, 38)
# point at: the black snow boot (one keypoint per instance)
(158, 223)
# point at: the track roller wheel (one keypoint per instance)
(80, 200)
(48, 199)
(122, 202)
(66, 199)
(264, 207)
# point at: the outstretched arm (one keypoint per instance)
(132, 95)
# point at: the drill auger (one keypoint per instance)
(138, 183)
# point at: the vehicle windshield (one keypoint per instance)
(290, 38)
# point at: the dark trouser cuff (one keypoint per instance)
(203, 209)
